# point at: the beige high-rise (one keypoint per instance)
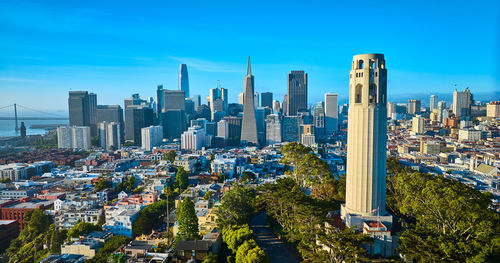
(367, 136)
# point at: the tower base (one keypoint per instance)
(378, 227)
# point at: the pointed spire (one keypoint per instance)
(249, 70)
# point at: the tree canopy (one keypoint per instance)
(445, 220)
(234, 236)
(181, 178)
(82, 228)
(249, 252)
(188, 221)
(236, 207)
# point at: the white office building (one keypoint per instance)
(193, 139)
(223, 129)
(151, 136)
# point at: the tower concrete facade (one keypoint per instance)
(249, 123)
(367, 136)
(366, 153)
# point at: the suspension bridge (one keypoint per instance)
(18, 112)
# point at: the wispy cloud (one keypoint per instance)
(209, 66)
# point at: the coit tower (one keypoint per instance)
(367, 136)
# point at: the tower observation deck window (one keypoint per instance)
(359, 89)
(372, 93)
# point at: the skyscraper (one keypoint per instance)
(111, 113)
(433, 103)
(218, 100)
(331, 113)
(183, 79)
(414, 107)
(234, 130)
(266, 99)
(319, 120)
(249, 125)
(173, 116)
(136, 118)
(296, 92)
(109, 135)
(366, 141)
(273, 129)
(462, 101)
(391, 109)
(93, 113)
(276, 106)
(241, 98)
(159, 100)
(79, 108)
(135, 99)
(417, 126)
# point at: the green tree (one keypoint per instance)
(236, 207)
(211, 258)
(103, 184)
(445, 220)
(181, 178)
(149, 217)
(207, 195)
(109, 247)
(344, 245)
(234, 236)
(249, 252)
(95, 141)
(247, 176)
(82, 228)
(170, 156)
(188, 221)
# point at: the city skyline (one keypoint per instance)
(61, 62)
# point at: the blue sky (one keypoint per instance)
(116, 48)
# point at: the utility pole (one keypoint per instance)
(15, 116)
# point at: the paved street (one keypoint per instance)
(277, 250)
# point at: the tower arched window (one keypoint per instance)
(357, 94)
(360, 64)
(372, 94)
(383, 92)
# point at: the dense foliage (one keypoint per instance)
(249, 252)
(236, 207)
(188, 221)
(33, 237)
(446, 220)
(112, 244)
(170, 156)
(234, 236)
(82, 228)
(126, 186)
(301, 219)
(181, 179)
(149, 217)
(103, 184)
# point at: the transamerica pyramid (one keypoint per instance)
(249, 125)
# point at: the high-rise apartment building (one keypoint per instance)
(73, 137)
(462, 101)
(151, 136)
(296, 92)
(391, 109)
(290, 128)
(417, 125)
(331, 113)
(433, 103)
(136, 118)
(184, 79)
(273, 129)
(109, 135)
(307, 136)
(135, 99)
(249, 125)
(266, 99)
(414, 107)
